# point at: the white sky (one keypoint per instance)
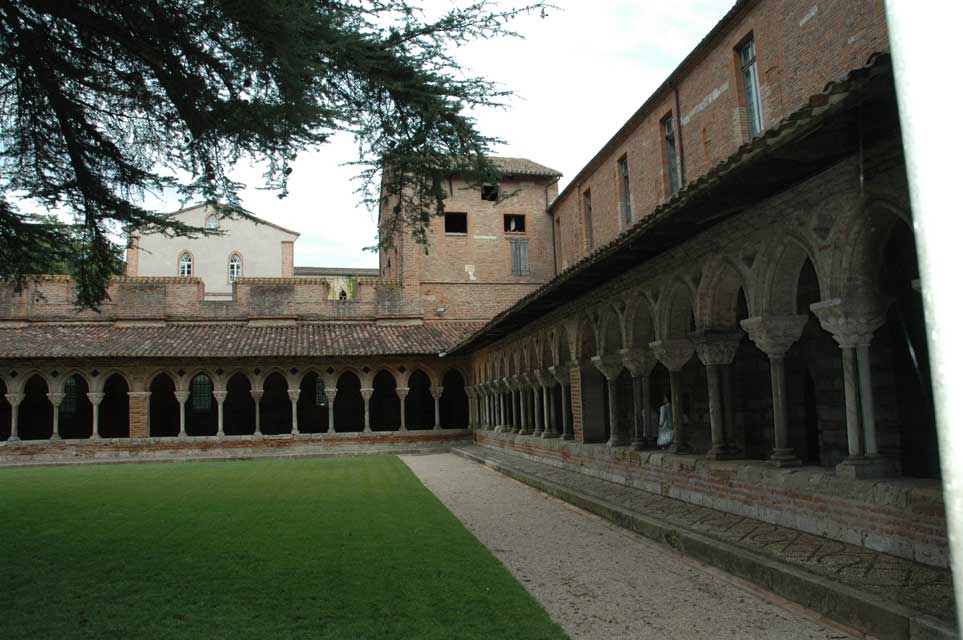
(578, 75)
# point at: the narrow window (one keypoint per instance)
(587, 219)
(514, 223)
(320, 398)
(201, 388)
(519, 256)
(186, 265)
(456, 223)
(750, 82)
(211, 222)
(68, 406)
(234, 267)
(626, 190)
(671, 162)
(489, 192)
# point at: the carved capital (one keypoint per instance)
(14, 398)
(220, 396)
(716, 347)
(402, 392)
(138, 394)
(673, 352)
(639, 361)
(436, 392)
(56, 398)
(774, 334)
(545, 378)
(330, 394)
(257, 394)
(562, 374)
(294, 394)
(852, 323)
(366, 393)
(95, 397)
(610, 366)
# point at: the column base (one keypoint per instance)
(525, 432)
(723, 453)
(550, 435)
(568, 436)
(55, 437)
(13, 439)
(617, 441)
(867, 467)
(784, 458)
(538, 433)
(679, 448)
(437, 427)
(95, 437)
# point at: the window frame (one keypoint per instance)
(207, 222)
(751, 86)
(456, 233)
(520, 267)
(588, 235)
(625, 189)
(670, 154)
(190, 264)
(487, 190)
(230, 267)
(505, 219)
(207, 399)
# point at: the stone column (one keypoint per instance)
(138, 411)
(561, 374)
(331, 394)
(539, 417)
(182, 397)
(852, 323)
(716, 351)
(366, 395)
(257, 394)
(402, 394)
(293, 395)
(436, 393)
(547, 383)
(56, 399)
(639, 362)
(518, 420)
(674, 353)
(611, 367)
(14, 399)
(96, 397)
(220, 396)
(774, 335)
(503, 388)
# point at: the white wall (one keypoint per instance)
(258, 244)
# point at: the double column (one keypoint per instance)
(639, 362)
(563, 376)
(716, 351)
(674, 353)
(611, 367)
(549, 417)
(774, 335)
(14, 399)
(852, 324)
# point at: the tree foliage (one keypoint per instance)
(105, 101)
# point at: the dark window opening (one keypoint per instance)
(514, 223)
(519, 257)
(456, 223)
(587, 222)
(626, 190)
(489, 192)
(750, 84)
(201, 393)
(343, 295)
(671, 162)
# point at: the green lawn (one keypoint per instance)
(322, 548)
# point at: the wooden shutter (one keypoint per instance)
(519, 257)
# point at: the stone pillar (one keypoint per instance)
(182, 397)
(257, 394)
(138, 406)
(402, 394)
(293, 395)
(220, 396)
(518, 420)
(774, 335)
(539, 417)
(562, 376)
(639, 362)
(436, 393)
(331, 394)
(366, 396)
(611, 367)
(96, 397)
(716, 351)
(56, 399)
(546, 382)
(852, 323)
(674, 353)
(14, 399)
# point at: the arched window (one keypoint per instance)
(186, 265)
(343, 295)
(211, 222)
(234, 267)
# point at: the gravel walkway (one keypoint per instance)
(600, 581)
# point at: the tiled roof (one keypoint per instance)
(52, 341)
(524, 167)
(336, 271)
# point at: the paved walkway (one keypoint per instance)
(908, 589)
(600, 581)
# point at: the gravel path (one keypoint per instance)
(600, 581)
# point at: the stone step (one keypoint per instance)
(880, 594)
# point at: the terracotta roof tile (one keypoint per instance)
(524, 167)
(53, 341)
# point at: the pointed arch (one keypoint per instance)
(718, 296)
(35, 414)
(348, 403)
(676, 313)
(419, 404)
(453, 405)
(384, 407)
(164, 414)
(114, 417)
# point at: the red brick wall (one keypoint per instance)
(800, 47)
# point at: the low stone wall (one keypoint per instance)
(904, 517)
(40, 452)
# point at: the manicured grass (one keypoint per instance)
(333, 548)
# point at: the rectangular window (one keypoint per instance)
(519, 257)
(456, 223)
(514, 223)
(201, 393)
(587, 220)
(671, 161)
(489, 192)
(750, 82)
(626, 191)
(68, 406)
(320, 398)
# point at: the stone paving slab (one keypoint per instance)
(882, 594)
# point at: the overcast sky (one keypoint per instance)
(578, 75)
